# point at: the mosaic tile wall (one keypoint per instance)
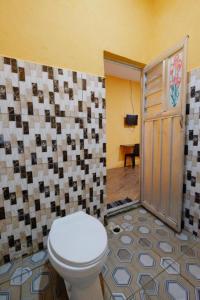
(192, 158)
(52, 151)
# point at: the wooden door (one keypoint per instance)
(164, 84)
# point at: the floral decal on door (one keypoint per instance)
(175, 75)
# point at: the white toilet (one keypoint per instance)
(78, 247)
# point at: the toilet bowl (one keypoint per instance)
(78, 248)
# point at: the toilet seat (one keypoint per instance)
(78, 240)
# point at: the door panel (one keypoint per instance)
(163, 118)
(176, 165)
(156, 167)
(165, 165)
(148, 150)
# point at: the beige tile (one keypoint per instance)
(35, 260)
(169, 287)
(11, 292)
(190, 266)
(39, 285)
(8, 270)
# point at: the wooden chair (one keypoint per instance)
(136, 152)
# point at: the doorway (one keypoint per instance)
(123, 105)
(163, 101)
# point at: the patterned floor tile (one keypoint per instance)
(116, 288)
(10, 292)
(8, 270)
(35, 260)
(168, 287)
(190, 266)
(39, 285)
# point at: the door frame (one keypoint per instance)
(137, 65)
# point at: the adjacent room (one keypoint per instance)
(123, 92)
(99, 150)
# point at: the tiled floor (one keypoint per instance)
(147, 260)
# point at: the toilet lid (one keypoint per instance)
(78, 239)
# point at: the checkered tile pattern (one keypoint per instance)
(192, 152)
(52, 151)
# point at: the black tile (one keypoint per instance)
(195, 140)
(38, 140)
(20, 145)
(197, 96)
(55, 86)
(13, 198)
(6, 258)
(197, 197)
(2, 92)
(33, 223)
(186, 150)
(16, 93)
(37, 204)
(193, 181)
(74, 76)
(51, 98)
(71, 94)
(50, 72)
(6, 193)
(7, 60)
(34, 89)
(1, 141)
(14, 67)
(18, 120)
(21, 73)
(2, 213)
(47, 191)
(40, 96)
(40, 246)
(53, 206)
(29, 241)
(17, 245)
(25, 128)
(7, 146)
(27, 219)
(192, 92)
(30, 108)
(64, 155)
(25, 195)
(66, 198)
(20, 215)
(189, 175)
(187, 109)
(198, 156)
(34, 158)
(11, 241)
(23, 171)
(41, 187)
(44, 230)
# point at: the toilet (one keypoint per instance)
(78, 248)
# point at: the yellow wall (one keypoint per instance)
(173, 19)
(118, 104)
(74, 33)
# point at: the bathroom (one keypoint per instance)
(53, 152)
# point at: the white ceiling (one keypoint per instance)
(120, 70)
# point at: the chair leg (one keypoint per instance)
(125, 161)
(133, 161)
